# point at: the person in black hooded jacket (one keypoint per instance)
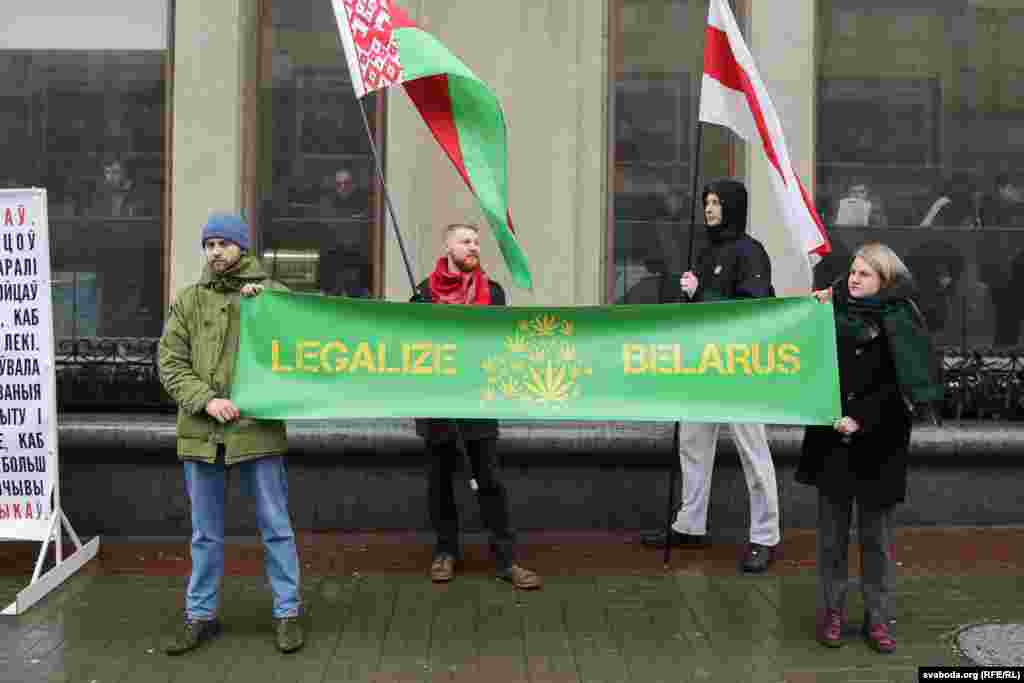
(887, 371)
(734, 266)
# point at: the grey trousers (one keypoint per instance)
(697, 442)
(876, 563)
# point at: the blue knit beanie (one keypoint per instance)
(227, 226)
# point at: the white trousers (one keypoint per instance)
(697, 442)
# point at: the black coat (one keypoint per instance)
(736, 268)
(871, 465)
(439, 430)
(734, 265)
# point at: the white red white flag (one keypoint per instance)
(733, 95)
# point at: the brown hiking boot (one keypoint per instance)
(521, 578)
(442, 569)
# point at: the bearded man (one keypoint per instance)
(197, 363)
(459, 279)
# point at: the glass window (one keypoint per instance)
(656, 61)
(920, 131)
(319, 211)
(82, 113)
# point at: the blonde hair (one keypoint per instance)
(884, 261)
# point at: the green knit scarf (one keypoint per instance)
(918, 369)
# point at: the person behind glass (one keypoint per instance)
(1003, 207)
(458, 278)
(887, 369)
(938, 267)
(733, 266)
(956, 205)
(115, 197)
(859, 208)
(196, 361)
(1009, 317)
(345, 199)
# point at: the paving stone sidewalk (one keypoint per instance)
(609, 611)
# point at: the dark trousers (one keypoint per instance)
(876, 564)
(444, 515)
(1008, 314)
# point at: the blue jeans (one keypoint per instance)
(266, 479)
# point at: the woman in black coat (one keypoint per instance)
(886, 367)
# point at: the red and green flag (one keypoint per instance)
(383, 48)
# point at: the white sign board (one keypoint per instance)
(75, 25)
(28, 420)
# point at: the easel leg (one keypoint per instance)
(63, 569)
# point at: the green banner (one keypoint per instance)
(308, 356)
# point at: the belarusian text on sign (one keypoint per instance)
(26, 367)
(305, 356)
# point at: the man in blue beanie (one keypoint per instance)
(197, 360)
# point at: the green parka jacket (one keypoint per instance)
(197, 363)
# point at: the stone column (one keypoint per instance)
(783, 45)
(547, 62)
(212, 56)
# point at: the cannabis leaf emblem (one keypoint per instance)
(539, 364)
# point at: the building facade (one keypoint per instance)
(905, 119)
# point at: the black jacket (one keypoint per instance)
(735, 265)
(870, 465)
(439, 430)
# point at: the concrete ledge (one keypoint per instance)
(120, 476)
(618, 442)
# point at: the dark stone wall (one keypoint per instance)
(120, 477)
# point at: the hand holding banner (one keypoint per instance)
(306, 356)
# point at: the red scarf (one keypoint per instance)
(447, 287)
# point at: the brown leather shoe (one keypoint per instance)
(442, 569)
(521, 578)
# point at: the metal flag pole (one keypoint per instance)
(387, 196)
(460, 443)
(693, 193)
(669, 507)
(676, 474)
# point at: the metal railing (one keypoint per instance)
(109, 373)
(984, 383)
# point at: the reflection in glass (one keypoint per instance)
(319, 201)
(921, 145)
(88, 126)
(656, 58)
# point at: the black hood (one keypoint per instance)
(733, 196)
